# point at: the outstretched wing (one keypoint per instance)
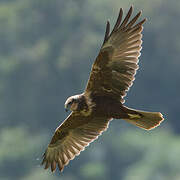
(71, 137)
(114, 68)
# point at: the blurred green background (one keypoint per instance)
(46, 52)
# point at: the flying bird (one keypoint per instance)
(112, 74)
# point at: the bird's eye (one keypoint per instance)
(70, 103)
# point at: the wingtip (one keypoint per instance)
(131, 7)
(107, 31)
(120, 10)
(139, 13)
(60, 166)
(61, 170)
(53, 166)
(47, 165)
(53, 170)
(143, 21)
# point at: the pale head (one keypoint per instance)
(72, 103)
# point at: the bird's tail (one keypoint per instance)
(143, 119)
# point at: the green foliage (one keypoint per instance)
(160, 156)
(46, 52)
(93, 170)
(13, 139)
(19, 145)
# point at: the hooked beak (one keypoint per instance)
(67, 108)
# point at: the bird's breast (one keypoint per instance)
(85, 106)
(106, 106)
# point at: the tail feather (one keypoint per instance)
(145, 120)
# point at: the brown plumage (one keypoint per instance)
(111, 77)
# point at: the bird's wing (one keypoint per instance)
(71, 137)
(114, 68)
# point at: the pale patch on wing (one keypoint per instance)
(106, 89)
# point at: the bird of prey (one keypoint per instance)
(111, 76)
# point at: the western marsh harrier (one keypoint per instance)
(112, 74)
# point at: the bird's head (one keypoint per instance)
(72, 103)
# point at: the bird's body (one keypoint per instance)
(100, 106)
(112, 74)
